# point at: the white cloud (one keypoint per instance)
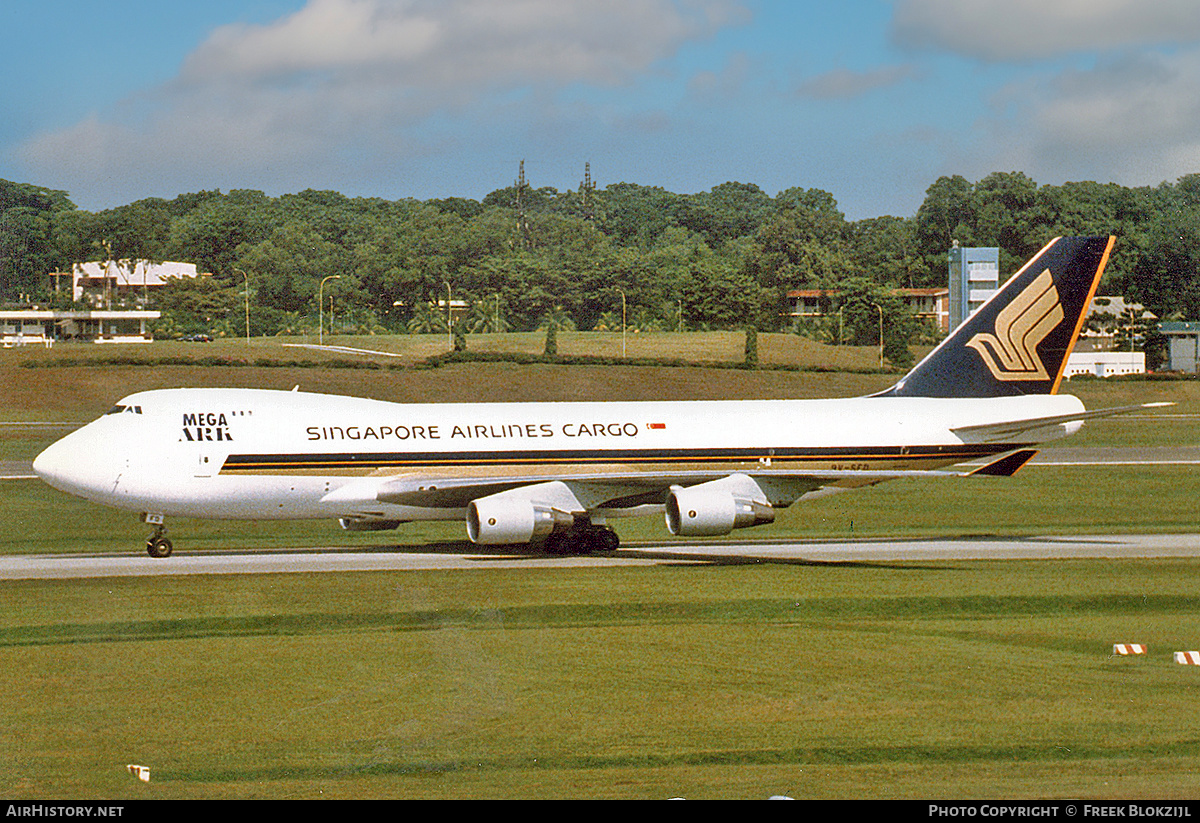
(346, 87)
(1133, 120)
(1128, 112)
(1016, 30)
(434, 44)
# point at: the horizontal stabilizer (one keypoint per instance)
(1005, 430)
(1008, 465)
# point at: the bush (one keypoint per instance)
(751, 347)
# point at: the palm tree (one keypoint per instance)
(427, 319)
(609, 321)
(644, 320)
(560, 319)
(484, 319)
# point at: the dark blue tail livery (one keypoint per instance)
(1019, 340)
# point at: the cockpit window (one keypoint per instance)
(119, 409)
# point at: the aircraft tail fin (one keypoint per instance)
(1019, 340)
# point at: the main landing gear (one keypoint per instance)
(583, 538)
(156, 544)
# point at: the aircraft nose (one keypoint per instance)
(75, 466)
(53, 464)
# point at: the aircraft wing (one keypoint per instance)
(1008, 429)
(596, 488)
(593, 490)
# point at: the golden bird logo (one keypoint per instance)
(1011, 353)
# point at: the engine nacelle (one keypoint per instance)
(717, 507)
(501, 519)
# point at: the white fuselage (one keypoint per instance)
(258, 454)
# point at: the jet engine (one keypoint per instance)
(717, 507)
(509, 518)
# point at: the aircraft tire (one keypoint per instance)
(607, 540)
(158, 547)
(597, 539)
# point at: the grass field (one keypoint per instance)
(948, 680)
(404, 349)
(888, 680)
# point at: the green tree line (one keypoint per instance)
(524, 257)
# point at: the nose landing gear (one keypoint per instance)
(156, 544)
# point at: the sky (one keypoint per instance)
(870, 100)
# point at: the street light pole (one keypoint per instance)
(243, 274)
(880, 308)
(321, 308)
(449, 318)
(622, 323)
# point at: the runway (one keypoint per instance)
(462, 556)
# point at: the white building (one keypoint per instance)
(101, 284)
(926, 304)
(1105, 363)
(42, 327)
(1109, 317)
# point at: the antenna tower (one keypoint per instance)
(522, 222)
(586, 188)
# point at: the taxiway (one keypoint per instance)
(466, 556)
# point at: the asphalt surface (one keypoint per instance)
(1118, 456)
(466, 556)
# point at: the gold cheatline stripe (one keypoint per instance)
(341, 461)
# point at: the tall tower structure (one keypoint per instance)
(522, 221)
(586, 188)
(974, 277)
